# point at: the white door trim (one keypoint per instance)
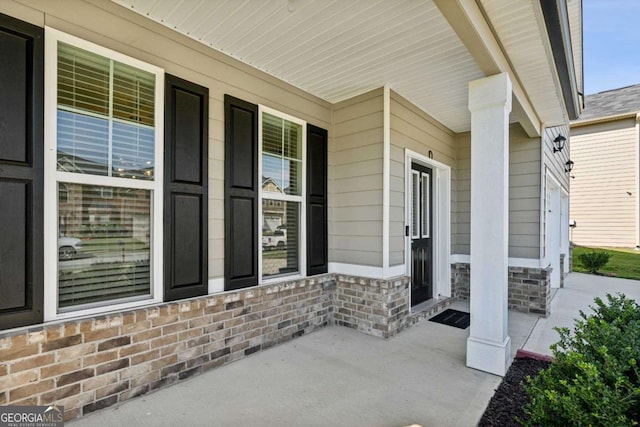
(441, 220)
(553, 234)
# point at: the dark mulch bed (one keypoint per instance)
(508, 400)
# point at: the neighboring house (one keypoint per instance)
(407, 160)
(605, 189)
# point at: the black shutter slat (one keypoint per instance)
(317, 240)
(241, 193)
(21, 173)
(185, 189)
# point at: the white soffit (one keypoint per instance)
(575, 21)
(523, 37)
(336, 49)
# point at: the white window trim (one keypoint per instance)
(52, 177)
(302, 199)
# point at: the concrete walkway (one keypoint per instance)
(577, 294)
(339, 377)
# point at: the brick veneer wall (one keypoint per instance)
(90, 364)
(375, 307)
(529, 288)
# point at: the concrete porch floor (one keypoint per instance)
(340, 377)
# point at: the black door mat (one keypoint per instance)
(455, 318)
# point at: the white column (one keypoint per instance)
(489, 345)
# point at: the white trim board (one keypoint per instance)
(441, 220)
(216, 285)
(366, 270)
(513, 262)
(386, 177)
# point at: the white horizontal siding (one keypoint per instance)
(604, 190)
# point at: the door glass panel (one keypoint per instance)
(425, 206)
(415, 204)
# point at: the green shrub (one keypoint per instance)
(594, 379)
(594, 260)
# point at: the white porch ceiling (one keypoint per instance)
(336, 49)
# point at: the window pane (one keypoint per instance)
(82, 143)
(133, 94)
(100, 114)
(280, 237)
(292, 178)
(426, 189)
(415, 204)
(103, 244)
(292, 142)
(272, 181)
(271, 134)
(83, 80)
(133, 150)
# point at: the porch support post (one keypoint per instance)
(489, 345)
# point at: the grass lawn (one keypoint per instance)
(623, 263)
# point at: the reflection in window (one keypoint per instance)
(103, 244)
(280, 238)
(281, 155)
(281, 195)
(105, 116)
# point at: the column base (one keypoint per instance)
(489, 356)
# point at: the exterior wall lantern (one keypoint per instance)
(558, 143)
(568, 167)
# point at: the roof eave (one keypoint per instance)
(556, 19)
(605, 119)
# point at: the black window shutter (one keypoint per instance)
(317, 245)
(21, 172)
(185, 189)
(240, 193)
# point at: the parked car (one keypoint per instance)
(68, 247)
(275, 240)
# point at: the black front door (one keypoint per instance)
(421, 232)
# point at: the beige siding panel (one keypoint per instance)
(355, 181)
(357, 213)
(357, 228)
(356, 243)
(362, 139)
(359, 257)
(555, 162)
(371, 199)
(363, 168)
(605, 157)
(413, 129)
(119, 29)
(359, 124)
(524, 194)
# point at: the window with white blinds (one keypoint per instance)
(108, 169)
(105, 116)
(281, 193)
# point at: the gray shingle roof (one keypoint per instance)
(611, 102)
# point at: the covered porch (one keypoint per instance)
(337, 376)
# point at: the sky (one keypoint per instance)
(611, 31)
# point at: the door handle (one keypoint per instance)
(406, 230)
